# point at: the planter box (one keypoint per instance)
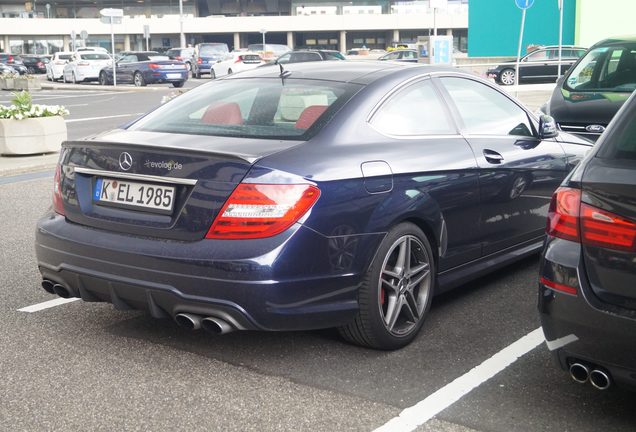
(32, 136)
(7, 83)
(19, 84)
(26, 84)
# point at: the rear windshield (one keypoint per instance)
(252, 108)
(213, 49)
(621, 145)
(94, 56)
(64, 56)
(611, 68)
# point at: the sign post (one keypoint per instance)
(114, 16)
(523, 5)
(560, 4)
(147, 35)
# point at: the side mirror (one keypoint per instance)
(547, 127)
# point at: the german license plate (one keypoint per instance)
(173, 75)
(139, 196)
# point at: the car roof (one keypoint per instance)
(356, 71)
(616, 40)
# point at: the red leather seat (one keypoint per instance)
(309, 116)
(226, 113)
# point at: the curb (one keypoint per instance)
(17, 165)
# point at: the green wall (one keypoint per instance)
(493, 26)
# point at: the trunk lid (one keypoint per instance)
(201, 171)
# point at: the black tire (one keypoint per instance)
(507, 76)
(102, 79)
(178, 84)
(74, 78)
(196, 73)
(138, 79)
(189, 67)
(212, 74)
(386, 319)
(230, 72)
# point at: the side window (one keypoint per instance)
(414, 110)
(409, 55)
(537, 56)
(392, 56)
(284, 59)
(485, 111)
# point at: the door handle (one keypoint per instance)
(493, 157)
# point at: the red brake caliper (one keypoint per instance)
(381, 296)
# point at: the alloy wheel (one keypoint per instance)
(404, 285)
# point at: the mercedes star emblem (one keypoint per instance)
(125, 161)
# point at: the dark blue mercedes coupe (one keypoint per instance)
(305, 196)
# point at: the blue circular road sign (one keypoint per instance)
(524, 4)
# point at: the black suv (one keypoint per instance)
(587, 98)
(35, 64)
(587, 290)
(541, 65)
(14, 61)
(306, 55)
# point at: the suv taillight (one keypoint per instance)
(199, 60)
(262, 210)
(570, 219)
(58, 202)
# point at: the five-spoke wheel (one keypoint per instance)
(396, 292)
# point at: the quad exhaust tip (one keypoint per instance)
(216, 325)
(600, 379)
(62, 291)
(48, 286)
(579, 373)
(189, 321)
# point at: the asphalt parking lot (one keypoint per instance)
(86, 366)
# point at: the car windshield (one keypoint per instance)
(610, 68)
(213, 49)
(94, 56)
(252, 108)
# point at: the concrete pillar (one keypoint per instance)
(237, 41)
(6, 44)
(449, 32)
(290, 39)
(343, 41)
(67, 44)
(396, 35)
(127, 43)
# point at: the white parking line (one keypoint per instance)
(412, 417)
(47, 304)
(101, 118)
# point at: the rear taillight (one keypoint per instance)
(239, 59)
(607, 230)
(199, 60)
(563, 215)
(262, 210)
(10, 59)
(58, 202)
(178, 58)
(153, 66)
(570, 219)
(40, 64)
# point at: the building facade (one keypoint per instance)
(46, 26)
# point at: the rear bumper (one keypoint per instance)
(152, 77)
(578, 327)
(289, 287)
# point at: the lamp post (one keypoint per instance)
(182, 40)
(263, 31)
